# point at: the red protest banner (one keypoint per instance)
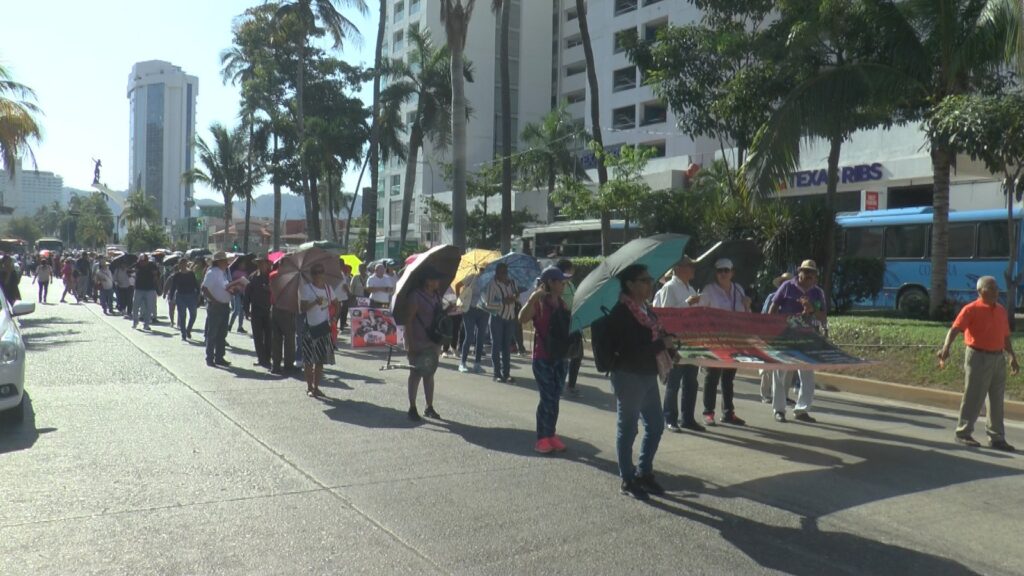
(723, 339)
(374, 327)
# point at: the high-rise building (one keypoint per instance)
(529, 44)
(162, 127)
(28, 191)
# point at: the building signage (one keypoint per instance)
(870, 200)
(847, 175)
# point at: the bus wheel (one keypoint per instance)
(913, 302)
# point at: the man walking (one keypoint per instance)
(257, 294)
(800, 295)
(216, 289)
(987, 334)
(677, 293)
(146, 278)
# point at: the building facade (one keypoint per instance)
(529, 44)
(28, 191)
(162, 128)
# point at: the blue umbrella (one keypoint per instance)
(522, 268)
(600, 289)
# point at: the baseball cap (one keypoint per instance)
(723, 263)
(552, 274)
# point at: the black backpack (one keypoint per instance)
(600, 343)
(440, 329)
(556, 340)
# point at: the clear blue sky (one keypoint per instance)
(77, 57)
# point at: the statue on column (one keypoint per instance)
(97, 164)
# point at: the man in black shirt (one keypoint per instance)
(257, 294)
(146, 278)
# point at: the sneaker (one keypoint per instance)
(478, 368)
(694, 426)
(431, 413)
(463, 368)
(766, 400)
(498, 379)
(557, 443)
(510, 380)
(632, 489)
(967, 441)
(673, 427)
(780, 417)
(804, 417)
(732, 418)
(414, 414)
(709, 418)
(649, 484)
(543, 446)
(1001, 445)
(222, 362)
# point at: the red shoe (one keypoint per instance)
(543, 446)
(557, 444)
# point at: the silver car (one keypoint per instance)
(12, 359)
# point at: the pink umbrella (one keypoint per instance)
(412, 258)
(275, 256)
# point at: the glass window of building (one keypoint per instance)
(624, 79)
(571, 14)
(649, 2)
(573, 41)
(399, 11)
(398, 43)
(414, 7)
(576, 97)
(622, 37)
(575, 68)
(395, 212)
(654, 113)
(906, 241)
(651, 29)
(396, 184)
(624, 6)
(658, 147)
(624, 118)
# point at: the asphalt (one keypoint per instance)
(137, 458)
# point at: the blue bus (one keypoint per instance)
(979, 245)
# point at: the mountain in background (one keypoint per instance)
(292, 207)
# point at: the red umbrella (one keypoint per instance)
(275, 256)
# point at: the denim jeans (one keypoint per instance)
(685, 377)
(216, 330)
(550, 376)
(145, 307)
(712, 376)
(237, 311)
(474, 326)
(107, 299)
(636, 396)
(502, 333)
(186, 303)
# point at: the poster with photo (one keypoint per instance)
(374, 327)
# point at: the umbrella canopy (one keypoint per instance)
(323, 245)
(522, 268)
(474, 262)
(245, 262)
(197, 253)
(600, 289)
(275, 256)
(353, 261)
(171, 260)
(444, 259)
(746, 259)
(293, 271)
(124, 260)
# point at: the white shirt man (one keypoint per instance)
(679, 409)
(380, 286)
(216, 282)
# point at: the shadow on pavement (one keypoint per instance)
(807, 551)
(366, 414)
(15, 436)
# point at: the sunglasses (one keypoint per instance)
(724, 270)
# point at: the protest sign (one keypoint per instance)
(373, 327)
(724, 339)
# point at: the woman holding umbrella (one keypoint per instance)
(317, 348)
(422, 350)
(642, 355)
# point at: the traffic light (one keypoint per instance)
(234, 247)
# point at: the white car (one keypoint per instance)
(12, 359)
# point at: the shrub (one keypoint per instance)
(583, 266)
(856, 279)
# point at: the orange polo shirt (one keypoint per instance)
(985, 327)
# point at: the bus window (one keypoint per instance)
(906, 241)
(864, 242)
(961, 240)
(993, 240)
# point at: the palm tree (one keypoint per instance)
(425, 79)
(504, 9)
(138, 208)
(595, 119)
(549, 153)
(223, 167)
(18, 125)
(455, 14)
(315, 16)
(374, 154)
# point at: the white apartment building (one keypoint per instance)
(28, 191)
(162, 128)
(530, 54)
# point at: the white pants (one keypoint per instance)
(767, 377)
(782, 380)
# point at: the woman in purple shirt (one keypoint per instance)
(423, 352)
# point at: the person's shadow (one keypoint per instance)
(22, 435)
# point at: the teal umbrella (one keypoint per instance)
(600, 289)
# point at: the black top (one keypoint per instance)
(184, 283)
(258, 291)
(632, 342)
(146, 275)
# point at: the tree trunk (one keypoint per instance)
(835, 147)
(415, 141)
(371, 203)
(228, 217)
(314, 203)
(940, 228)
(277, 201)
(329, 221)
(506, 133)
(248, 216)
(457, 45)
(308, 207)
(551, 190)
(352, 205)
(595, 120)
(248, 191)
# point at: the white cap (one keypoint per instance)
(723, 263)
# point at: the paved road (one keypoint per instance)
(138, 459)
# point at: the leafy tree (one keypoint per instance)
(223, 167)
(145, 239)
(455, 15)
(19, 128)
(549, 153)
(620, 195)
(49, 218)
(990, 129)
(139, 210)
(25, 228)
